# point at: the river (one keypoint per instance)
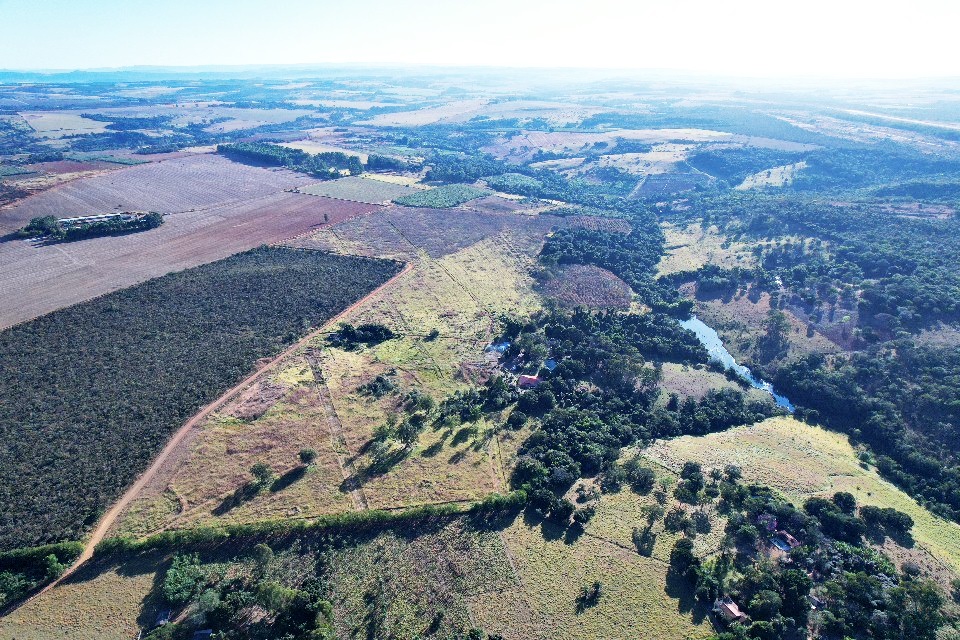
(709, 338)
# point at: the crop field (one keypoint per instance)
(427, 115)
(663, 158)
(443, 197)
(590, 286)
(191, 334)
(688, 249)
(184, 184)
(361, 189)
(801, 461)
(402, 232)
(38, 279)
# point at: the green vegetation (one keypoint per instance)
(321, 165)
(90, 393)
(51, 229)
(27, 569)
(442, 197)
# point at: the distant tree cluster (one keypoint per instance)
(321, 165)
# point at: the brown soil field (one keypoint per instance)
(597, 223)
(39, 279)
(184, 184)
(590, 286)
(73, 166)
(438, 232)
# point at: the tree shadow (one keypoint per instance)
(462, 435)
(288, 479)
(679, 588)
(458, 456)
(573, 533)
(243, 494)
(433, 449)
(551, 530)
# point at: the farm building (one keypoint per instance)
(527, 382)
(105, 217)
(550, 365)
(726, 608)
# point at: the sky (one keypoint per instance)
(769, 38)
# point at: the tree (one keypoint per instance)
(52, 567)
(308, 456)
(682, 557)
(262, 474)
(183, 579)
(917, 606)
(845, 501)
(765, 605)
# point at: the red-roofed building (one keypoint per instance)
(728, 610)
(527, 382)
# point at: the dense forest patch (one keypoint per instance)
(90, 393)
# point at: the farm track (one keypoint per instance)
(194, 423)
(345, 458)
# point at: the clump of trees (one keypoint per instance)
(50, 229)
(321, 165)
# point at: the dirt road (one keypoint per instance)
(131, 493)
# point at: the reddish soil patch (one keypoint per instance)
(589, 286)
(184, 184)
(39, 279)
(401, 231)
(73, 166)
(596, 223)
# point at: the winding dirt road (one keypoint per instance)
(131, 493)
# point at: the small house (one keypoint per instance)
(527, 382)
(550, 365)
(163, 617)
(727, 609)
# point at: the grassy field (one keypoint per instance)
(740, 322)
(803, 461)
(688, 249)
(443, 197)
(360, 189)
(101, 602)
(459, 294)
(694, 382)
(638, 600)
(775, 177)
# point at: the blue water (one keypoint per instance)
(709, 338)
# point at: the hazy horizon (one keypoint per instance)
(748, 39)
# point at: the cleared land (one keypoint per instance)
(182, 184)
(360, 189)
(57, 124)
(803, 461)
(688, 249)
(590, 286)
(775, 177)
(39, 279)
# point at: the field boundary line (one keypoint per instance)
(131, 493)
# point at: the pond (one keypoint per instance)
(709, 338)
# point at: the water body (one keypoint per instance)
(709, 338)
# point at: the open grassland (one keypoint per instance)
(183, 184)
(740, 322)
(688, 249)
(695, 382)
(314, 399)
(90, 393)
(524, 145)
(803, 461)
(103, 601)
(443, 197)
(38, 279)
(57, 124)
(775, 177)
(360, 189)
(314, 146)
(638, 600)
(586, 285)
